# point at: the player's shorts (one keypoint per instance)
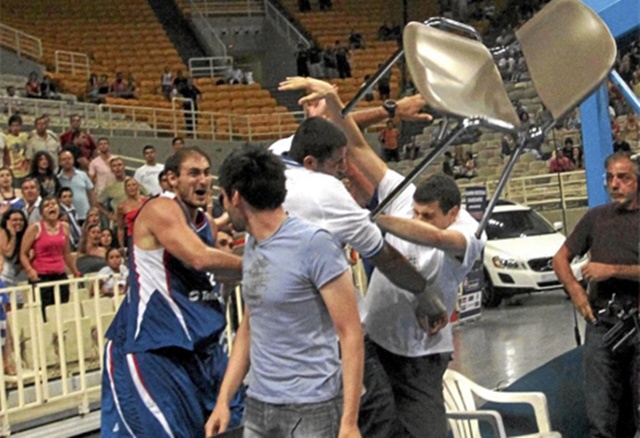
(162, 393)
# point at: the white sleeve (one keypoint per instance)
(137, 175)
(402, 206)
(3, 141)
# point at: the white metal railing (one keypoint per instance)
(22, 43)
(209, 67)
(284, 26)
(72, 62)
(229, 7)
(210, 35)
(57, 352)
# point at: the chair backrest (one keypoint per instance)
(569, 52)
(458, 397)
(456, 75)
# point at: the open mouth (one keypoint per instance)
(201, 192)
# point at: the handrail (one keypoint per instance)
(23, 43)
(229, 7)
(284, 25)
(208, 67)
(72, 62)
(198, 17)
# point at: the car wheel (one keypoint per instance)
(490, 296)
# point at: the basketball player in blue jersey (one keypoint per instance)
(164, 360)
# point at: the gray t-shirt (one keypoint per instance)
(294, 345)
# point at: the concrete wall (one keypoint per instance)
(10, 63)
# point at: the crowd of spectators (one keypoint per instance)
(328, 63)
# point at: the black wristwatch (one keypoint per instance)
(390, 106)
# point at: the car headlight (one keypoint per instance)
(505, 263)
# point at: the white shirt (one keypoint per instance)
(391, 320)
(282, 146)
(148, 177)
(122, 280)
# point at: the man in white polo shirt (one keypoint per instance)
(147, 174)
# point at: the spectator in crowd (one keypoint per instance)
(577, 157)
(330, 63)
(147, 174)
(32, 200)
(92, 92)
(325, 5)
(103, 85)
(356, 40)
(43, 171)
(389, 139)
(132, 88)
(118, 87)
(166, 83)
(48, 88)
(385, 32)
(384, 85)
(15, 149)
(11, 198)
(164, 182)
(508, 145)
(177, 143)
(191, 92)
(179, 82)
(76, 136)
(632, 130)
(559, 162)
(572, 122)
(107, 239)
(11, 104)
(45, 252)
(99, 169)
(568, 147)
(65, 198)
(315, 61)
(412, 149)
(342, 60)
(114, 267)
(32, 87)
(304, 5)
(114, 194)
(234, 75)
(610, 234)
(91, 255)
(302, 61)
(619, 143)
(12, 228)
(450, 165)
(43, 140)
(469, 167)
(79, 182)
(128, 209)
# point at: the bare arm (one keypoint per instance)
(339, 297)
(407, 108)
(27, 243)
(93, 200)
(423, 233)
(7, 242)
(162, 224)
(602, 271)
(562, 268)
(68, 257)
(236, 371)
(120, 224)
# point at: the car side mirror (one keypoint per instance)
(558, 226)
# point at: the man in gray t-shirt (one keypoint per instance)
(300, 301)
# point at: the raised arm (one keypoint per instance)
(339, 297)
(407, 108)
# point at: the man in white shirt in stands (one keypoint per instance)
(147, 174)
(440, 242)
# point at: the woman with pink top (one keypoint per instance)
(45, 252)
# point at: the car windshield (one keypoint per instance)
(520, 223)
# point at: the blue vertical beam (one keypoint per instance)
(621, 16)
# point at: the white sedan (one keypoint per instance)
(519, 254)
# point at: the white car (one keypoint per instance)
(519, 254)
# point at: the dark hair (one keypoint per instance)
(441, 188)
(34, 164)
(114, 240)
(161, 175)
(30, 179)
(174, 161)
(147, 147)
(175, 139)
(63, 190)
(46, 199)
(3, 225)
(568, 140)
(256, 174)
(316, 137)
(15, 118)
(109, 250)
(42, 117)
(102, 138)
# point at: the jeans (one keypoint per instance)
(611, 386)
(417, 391)
(308, 420)
(377, 417)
